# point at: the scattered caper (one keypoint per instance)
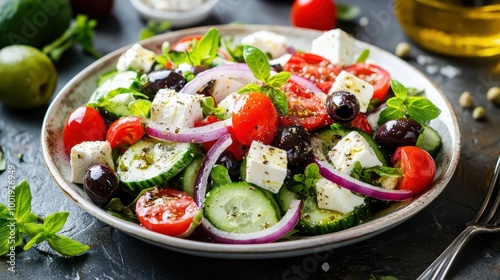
(479, 113)
(466, 100)
(402, 50)
(493, 95)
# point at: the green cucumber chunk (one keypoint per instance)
(430, 141)
(315, 221)
(151, 162)
(285, 197)
(240, 207)
(189, 175)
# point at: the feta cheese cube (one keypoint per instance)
(331, 196)
(351, 148)
(176, 109)
(266, 166)
(224, 87)
(266, 41)
(85, 154)
(336, 46)
(363, 91)
(136, 58)
(228, 103)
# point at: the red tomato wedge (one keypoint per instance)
(314, 14)
(166, 211)
(83, 124)
(360, 122)
(377, 76)
(125, 131)
(418, 168)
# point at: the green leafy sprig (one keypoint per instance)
(20, 221)
(304, 184)
(259, 65)
(153, 28)
(403, 105)
(372, 175)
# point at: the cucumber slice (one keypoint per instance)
(285, 196)
(430, 141)
(315, 221)
(331, 136)
(151, 162)
(188, 176)
(240, 208)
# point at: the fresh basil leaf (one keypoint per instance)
(390, 113)
(116, 208)
(39, 238)
(363, 56)
(146, 33)
(421, 109)
(219, 176)
(395, 102)
(415, 91)
(279, 79)
(140, 108)
(4, 238)
(209, 108)
(257, 62)
(22, 202)
(249, 88)
(204, 51)
(385, 171)
(236, 53)
(66, 246)
(347, 12)
(398, 89)
(55, 222)
(32, 229)
(279, 99)
(4, 213)
(120, 90)
(177, 57)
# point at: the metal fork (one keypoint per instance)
(486, 220)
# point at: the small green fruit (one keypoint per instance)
(28, 77)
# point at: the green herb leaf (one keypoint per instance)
(390, 113)
(363, 56)
(153, 28)
(257, 62)
(67, 246)
(422, 109)
(209, 108)
(398, 89)
(250, 88)
(279, 99)
(55, 222)
(219, 176)
(32, 229)
(415, 91)
(23, 202)
(3, 162)
(236, 52)
(39, 238)
(204, 51)
(4, 213)
(347, 12)
(4, 238)
(279, 79)
(140, 108)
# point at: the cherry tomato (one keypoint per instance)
(315, 68)
(314, 14)
(166, 211)
(125, 131)
(418, 168)
(373, 74)
(255, 118)
(185, 43)
(360, 122)
(83, 124)
(304, 108)
(238, 149)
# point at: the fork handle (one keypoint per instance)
(439, 268)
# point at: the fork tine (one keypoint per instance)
(492, 209)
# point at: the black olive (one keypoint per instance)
(296, 141)
(342, 106)
(163, 79)
(398, 133)
(228, 160)
(100, 183)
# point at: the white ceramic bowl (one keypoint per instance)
(78, 90)
(177, 19)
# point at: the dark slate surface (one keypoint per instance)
(403, 252)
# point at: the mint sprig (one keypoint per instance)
(259, 65)
(21, 221)
(305, 184)
(419, 108)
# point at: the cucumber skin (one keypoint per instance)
(332, 221)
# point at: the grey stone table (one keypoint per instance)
(402, 252)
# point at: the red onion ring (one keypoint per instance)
(200, 134)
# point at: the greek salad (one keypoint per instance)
(253, 141)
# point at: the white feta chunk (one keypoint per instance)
(267, 41)
(175, 109)
(336, 46)
(331, 196)
(85, 154)
(136, 58)
(228, 103)
(363, 90)
(224, 87)
(351, 148)
(266, 166)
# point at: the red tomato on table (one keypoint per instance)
(377, 76)
(314, 14)
(418, 168)
(83, 124)
(166, 211)
(125, 131)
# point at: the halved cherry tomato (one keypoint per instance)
(83, 124)
(125, 131)
(166, 211)
(304, 108)
(315, 14)
(185, 43)
(373, 74)
(315, 68)
(360, 122)
(255, 118)
(238, 149)
(418, 168)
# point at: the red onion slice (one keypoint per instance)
(329, 172)
(200, 187)
(268, 235)
(200, 134)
